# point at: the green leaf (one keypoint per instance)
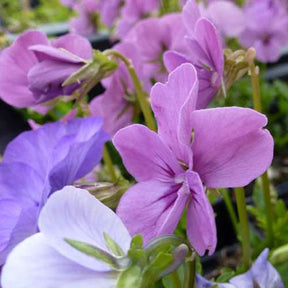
(113, 246)
(99, 254)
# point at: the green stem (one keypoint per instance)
(176, 280)
(189, 279)
(230, 208)
(140, 94)
(268, 208)
(108, 162)
(244, 225)
(254, 73)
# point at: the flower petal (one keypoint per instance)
(230, 148)
(145, 155)
(75, 214)
(201, 227)
(168, 103)
(152, 208)
(37, 264)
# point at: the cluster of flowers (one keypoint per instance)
(194, 147)
(261, 24)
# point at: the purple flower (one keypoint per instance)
(46, 260)
(205, 53)
(36, 164)
(262, 274)
(116, 105)
(132, 12)
(266, 28)
(222, 147)
(33, 69)
(152, 37)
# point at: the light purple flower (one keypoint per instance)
(154, 36)
(222, 147)
(36, 164)
(33, 69)
(266, 28)
(116, 105)
(45, 260)
(205, 53)
(262, 274)
(132, 12)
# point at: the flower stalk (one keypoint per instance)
(140, 94)
(244, 226)
(254, 74)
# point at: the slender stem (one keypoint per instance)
(189, 279)
(254, 73)
(230, 208)
(176, 280)
(108, 162)
(244, 225)
(269, 209)
(141, 95)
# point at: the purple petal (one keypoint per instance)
(173, 59)
(77, 215)
(201, 227)
(37, 264)
(230, 147)
(191, 14)
(15, 62)
(152, 208)
(75, 44)
(168, 106)
(145, 155)
(201, 282)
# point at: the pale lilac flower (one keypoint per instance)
(154, 36)
(205, 53)
(39, 162)
(45, 260)
(262, 274)
(222, 147)
(266, 29)
(33, 69)
(116, 105)
(132, 12)
(227, 17)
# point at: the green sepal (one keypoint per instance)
(130, 278)
(101, 255)
(113, 246)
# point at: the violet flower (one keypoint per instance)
(222, 147)
(36, 164)
(116, 105)
(205, 53)
(262, 274)
(45, 260)
(132, 12)
(154, 36)
(33, 69)
(266, 28)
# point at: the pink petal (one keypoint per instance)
(168, 105)
(201, 227)
(145, 155)
(152, 208)
(230, 147)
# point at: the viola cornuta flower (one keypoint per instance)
(33, 69)
(205, 53)
(262, 274)
(266, 28)
(221, 147)
(39, 162)
(46, 260)
(154, 36)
